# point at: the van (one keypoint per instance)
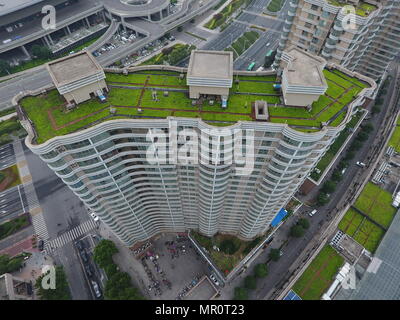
(312, 212)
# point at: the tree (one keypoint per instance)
(228, 246)
(350, 155)
(356, 145)
(8, 264)
(336, 175)
(180, 28)
(61, 292)
(261, 270)
(167, 51)
(4, 67)
(250, 282)
(274, 254)
(328, 187)
(103, 253)
(297, 231)
(240, 294)
(322, 199)
(41, 52)
(368, 127)
(192, 21)
(375, 109)
(304, 223)
(119, 287)
(362, 136)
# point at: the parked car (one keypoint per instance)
(93, 215)
(312, 212)
(214, 279)
(89, 270)
(360, 164)
(96, 289)
(84, 255)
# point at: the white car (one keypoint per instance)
(360, 164)
(93, 215)
(312, 213)
(214, 279)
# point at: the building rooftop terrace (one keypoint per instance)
(142, 95)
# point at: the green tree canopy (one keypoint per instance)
(240, 294)
(103, 253)
(297, 231)
(4, 67)
(322, 199)
(228, 246)
(250, 282)
(61, 292)
(304, 223)
(261, 270)
(8, 264)
(119, 287)
(274, 254)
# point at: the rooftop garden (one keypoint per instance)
(159, 94)
(376, 204)
(319, 275)
(363, 9)
(362, 230)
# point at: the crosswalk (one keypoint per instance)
(39, 226)
(70, 236)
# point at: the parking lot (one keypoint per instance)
(173, 268)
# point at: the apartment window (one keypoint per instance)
(314, 7)
(314, 40)
(304, 33)
(308, 25)
(311, 16)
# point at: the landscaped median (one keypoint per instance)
(221, 17)
(171, 55)
(319, 275)
(275, 5)
(243, 43)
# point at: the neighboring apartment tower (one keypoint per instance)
(107, 165)
(365, 42)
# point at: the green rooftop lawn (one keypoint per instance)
(376, 203)
(363, 9)
(354, 81)
(395, 139)
(126, 100)
(319, 275)
(366, 233)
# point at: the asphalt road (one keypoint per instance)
(7, 156)
(62, 211)
(12, 203)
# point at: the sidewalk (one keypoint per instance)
(125, 260)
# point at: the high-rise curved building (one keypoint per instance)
(220, 169)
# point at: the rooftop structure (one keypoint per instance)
(77, 76)
(321, 27)
(13, 288)
(210, 72)
(303, 81)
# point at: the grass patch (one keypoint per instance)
(376, 203)
(244, 42)
(13, 226)
(221, 17)
(275, 5)
(9, 178)
(171, 55)
(366, 233)
(319, 275)
(394, 140)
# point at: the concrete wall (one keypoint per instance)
(83, 94)
(300, 100)
(195, 92)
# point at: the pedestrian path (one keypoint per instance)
(34, 208)
(70, 236)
